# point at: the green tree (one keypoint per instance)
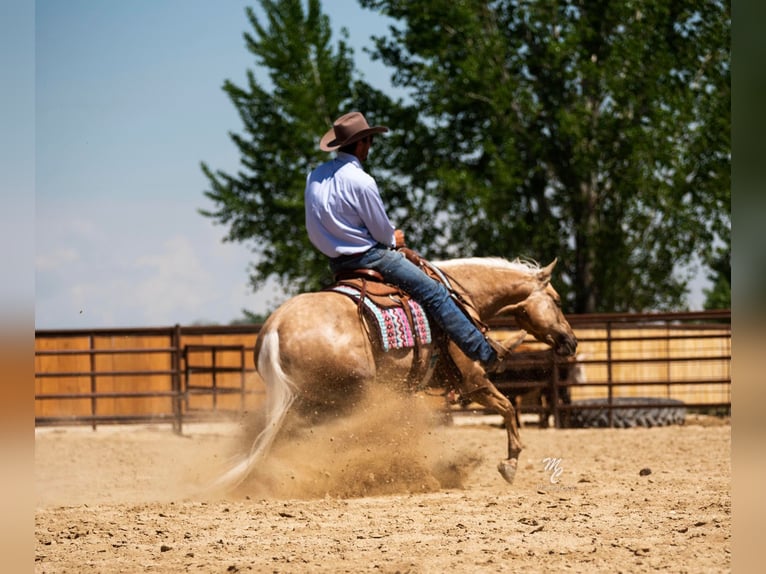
(249, 318)
(719, 295)
(311, 82)
(594, 131)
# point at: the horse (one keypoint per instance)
(314, 354)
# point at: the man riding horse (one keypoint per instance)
(347, 222)
(316, 357)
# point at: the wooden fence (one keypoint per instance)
(172, 374)
(182, 374)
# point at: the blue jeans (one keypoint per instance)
(432, 295)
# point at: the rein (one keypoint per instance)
(465, 303)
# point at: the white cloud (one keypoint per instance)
(137, 264)
(175, 282)
(55, 259)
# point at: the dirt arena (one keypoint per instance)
(391, 490)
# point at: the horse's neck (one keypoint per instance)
(492, 288)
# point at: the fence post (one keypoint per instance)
(610, 389)
(214, 373)
(176, 379)
(242, 380)
(555, 389)
(93, 386)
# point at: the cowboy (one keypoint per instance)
(346, 221)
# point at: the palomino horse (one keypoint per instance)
(315, 352)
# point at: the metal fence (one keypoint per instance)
(147, 375)
(183, 374)
(628, 362)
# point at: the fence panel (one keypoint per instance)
(141, 375)
(625, 359)
(177, 374)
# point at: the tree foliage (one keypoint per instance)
(592, 131)
(310, 81)
(719, 294)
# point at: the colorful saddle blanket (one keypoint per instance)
(396, 331)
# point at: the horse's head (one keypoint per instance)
(540, 314)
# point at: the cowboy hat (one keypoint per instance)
(348, 129)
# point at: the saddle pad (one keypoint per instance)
(394, 327)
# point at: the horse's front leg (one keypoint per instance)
(489, 397)
(477, 387)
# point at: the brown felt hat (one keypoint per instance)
(347, 129)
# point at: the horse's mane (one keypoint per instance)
(522, 264)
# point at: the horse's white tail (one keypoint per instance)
(279, 398)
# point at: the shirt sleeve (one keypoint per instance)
(374, 216)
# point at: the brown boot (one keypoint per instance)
(504, 350)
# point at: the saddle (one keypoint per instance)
(400, 322)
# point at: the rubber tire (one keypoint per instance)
(639, 416)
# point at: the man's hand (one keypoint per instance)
(399, 238)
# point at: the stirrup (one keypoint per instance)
(504, 351)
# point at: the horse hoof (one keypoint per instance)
(507, 468)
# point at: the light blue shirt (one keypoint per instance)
(344, 212)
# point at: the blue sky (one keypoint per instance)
(17, 152)
(128, 102)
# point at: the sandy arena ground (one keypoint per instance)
(391, 490)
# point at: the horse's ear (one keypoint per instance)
(544, 275)
(508, 309)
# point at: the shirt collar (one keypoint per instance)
(348, 158)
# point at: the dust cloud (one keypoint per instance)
(390, 444)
